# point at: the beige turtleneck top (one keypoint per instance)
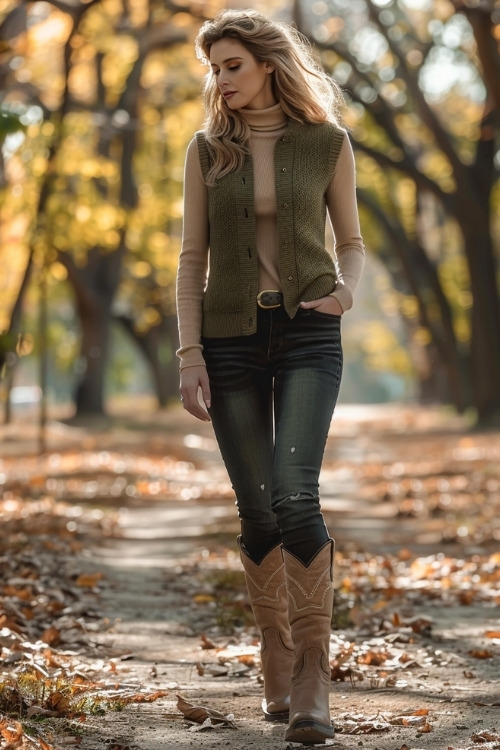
(266, 126)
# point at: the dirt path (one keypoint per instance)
(415, 669)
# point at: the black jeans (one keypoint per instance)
(272, 398)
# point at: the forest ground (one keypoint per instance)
(122, 588)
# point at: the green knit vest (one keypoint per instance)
(305, 158)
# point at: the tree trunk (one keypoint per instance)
(158, 346)
(95, 287)
(89, 396)
(485, 323)
(474, 218)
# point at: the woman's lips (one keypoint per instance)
(228, 94)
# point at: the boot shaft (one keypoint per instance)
(267, 591)
(310, 591)
(310, 605)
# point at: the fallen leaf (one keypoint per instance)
(488, 735)
(492, 634)
(200, 668)
(51, 636)
(206, 643)
(89, 580)
(200, 714)
(12, 731)
(426, 728)
(480, 653)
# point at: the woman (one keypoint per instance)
(260, 302)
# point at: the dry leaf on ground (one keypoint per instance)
(202, 715)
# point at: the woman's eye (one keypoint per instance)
(235, 67)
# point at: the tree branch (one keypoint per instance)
(408, 168)
(426, 112)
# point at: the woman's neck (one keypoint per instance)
(271, 118)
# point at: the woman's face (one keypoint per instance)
(244, 82)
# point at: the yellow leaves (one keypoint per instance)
(409, 306)
(141, 269)
(78, 162)
(438, 168)
(53, 31)
(153, 71)
(422, 336)
(158, 242)
(151, 116)
(47, 129)
(83, 225)
(108, 216)
(148, 318)
(38, 166)
(382, 349)
(58, 271)
(121, 53)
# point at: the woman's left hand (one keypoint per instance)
(328, 305)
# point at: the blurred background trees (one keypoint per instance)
(423, 81)
(99, 100)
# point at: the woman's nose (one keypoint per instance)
(223, 80)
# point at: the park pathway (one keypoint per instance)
(157, 594)
(417, 651)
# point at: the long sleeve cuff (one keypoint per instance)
(191, 356)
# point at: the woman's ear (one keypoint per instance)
(269, 67)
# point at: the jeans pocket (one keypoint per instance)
(314, 313)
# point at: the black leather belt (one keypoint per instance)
(269, 299)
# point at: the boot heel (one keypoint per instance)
(309, 732)
(276, 716)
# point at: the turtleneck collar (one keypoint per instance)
(271, 118)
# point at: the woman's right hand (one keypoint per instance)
(193, 380)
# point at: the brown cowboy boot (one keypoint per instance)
(267, 591)
(310, 604)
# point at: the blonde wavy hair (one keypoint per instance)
(306, 93)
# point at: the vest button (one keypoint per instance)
(284, 169)
(290, 278)
(285, 205)
(284, 139)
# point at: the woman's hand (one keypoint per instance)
(329, 305)
(193, 380)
